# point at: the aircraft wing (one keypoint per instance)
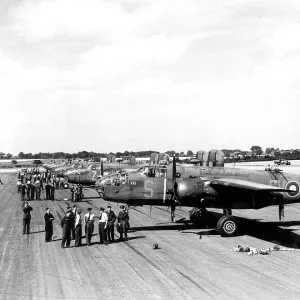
(223, 185)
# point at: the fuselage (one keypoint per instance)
(151, 185)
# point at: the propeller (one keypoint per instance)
(174, 196)
(101, 170)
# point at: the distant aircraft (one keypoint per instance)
(203, 187)
(93, 172)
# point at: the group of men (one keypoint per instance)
(76, 193)
(73, 222)
(30, 185)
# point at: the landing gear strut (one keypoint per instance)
(173, 213)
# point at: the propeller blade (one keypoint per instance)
(101, 172)
(174, 171)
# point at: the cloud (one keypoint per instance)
(203, 67)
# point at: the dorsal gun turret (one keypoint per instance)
(213, 158)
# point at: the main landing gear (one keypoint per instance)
(227, 225)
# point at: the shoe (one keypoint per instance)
(62, 247)
(23, 233)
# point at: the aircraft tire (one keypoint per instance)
(66, 185)
(198, 215)
(227, 226)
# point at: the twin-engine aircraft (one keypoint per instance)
(203, 187)
(93, 172)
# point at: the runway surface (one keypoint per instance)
(191, 263)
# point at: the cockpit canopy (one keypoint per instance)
(116, 179)
(153, 171)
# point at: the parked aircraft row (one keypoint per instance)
(202, 187)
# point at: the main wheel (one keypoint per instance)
(227, 226)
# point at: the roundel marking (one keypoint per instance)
(293, 186)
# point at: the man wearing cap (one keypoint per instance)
(111, 218)
(19, 185)
(78, 228)
(26, 218)
(123, 219)
(89, 225)
(72, 191)
(66, 224)
(102, 226)
(23, 191)
(48, 217)
(47, 188)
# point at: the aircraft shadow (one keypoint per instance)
(273, 232)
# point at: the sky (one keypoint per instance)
(112, 75)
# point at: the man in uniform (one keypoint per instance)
(48, 217)
(33, 191)
(89, 225)
(102, 226)
(78, 228)
(47, 188)
(29, 186)
(73, 216)
(26, 218)
(66, 224)
(23, 191)
(19, 186)
(77, 195)
(52, 191)
(111, 218)
(123, 219)
(80, 191)
(72, 191)
(38, 190)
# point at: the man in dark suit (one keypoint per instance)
(66, 224)
(48, 217)
(26, 218)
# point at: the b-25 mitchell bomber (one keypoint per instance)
(93, 172)
(201, 188)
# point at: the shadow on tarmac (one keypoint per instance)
(274, 232)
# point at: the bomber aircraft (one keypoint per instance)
(203, 187)
(93, 172)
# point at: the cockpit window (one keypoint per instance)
(153, 172)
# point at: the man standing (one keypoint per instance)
(26, 218)
(89, 225)
(72, 191)
(102, 226)
(77, 196)
(52, 191)
(80, 192)
(38, 190)
(123, 219)
(111, 218)
(19, 185)
(48, 217)
(33, 191)
(23, 191)
(73, 215)
(66, 224)
(78, 228)
(47, 188)
(28, 189)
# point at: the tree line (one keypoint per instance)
(89, 154)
